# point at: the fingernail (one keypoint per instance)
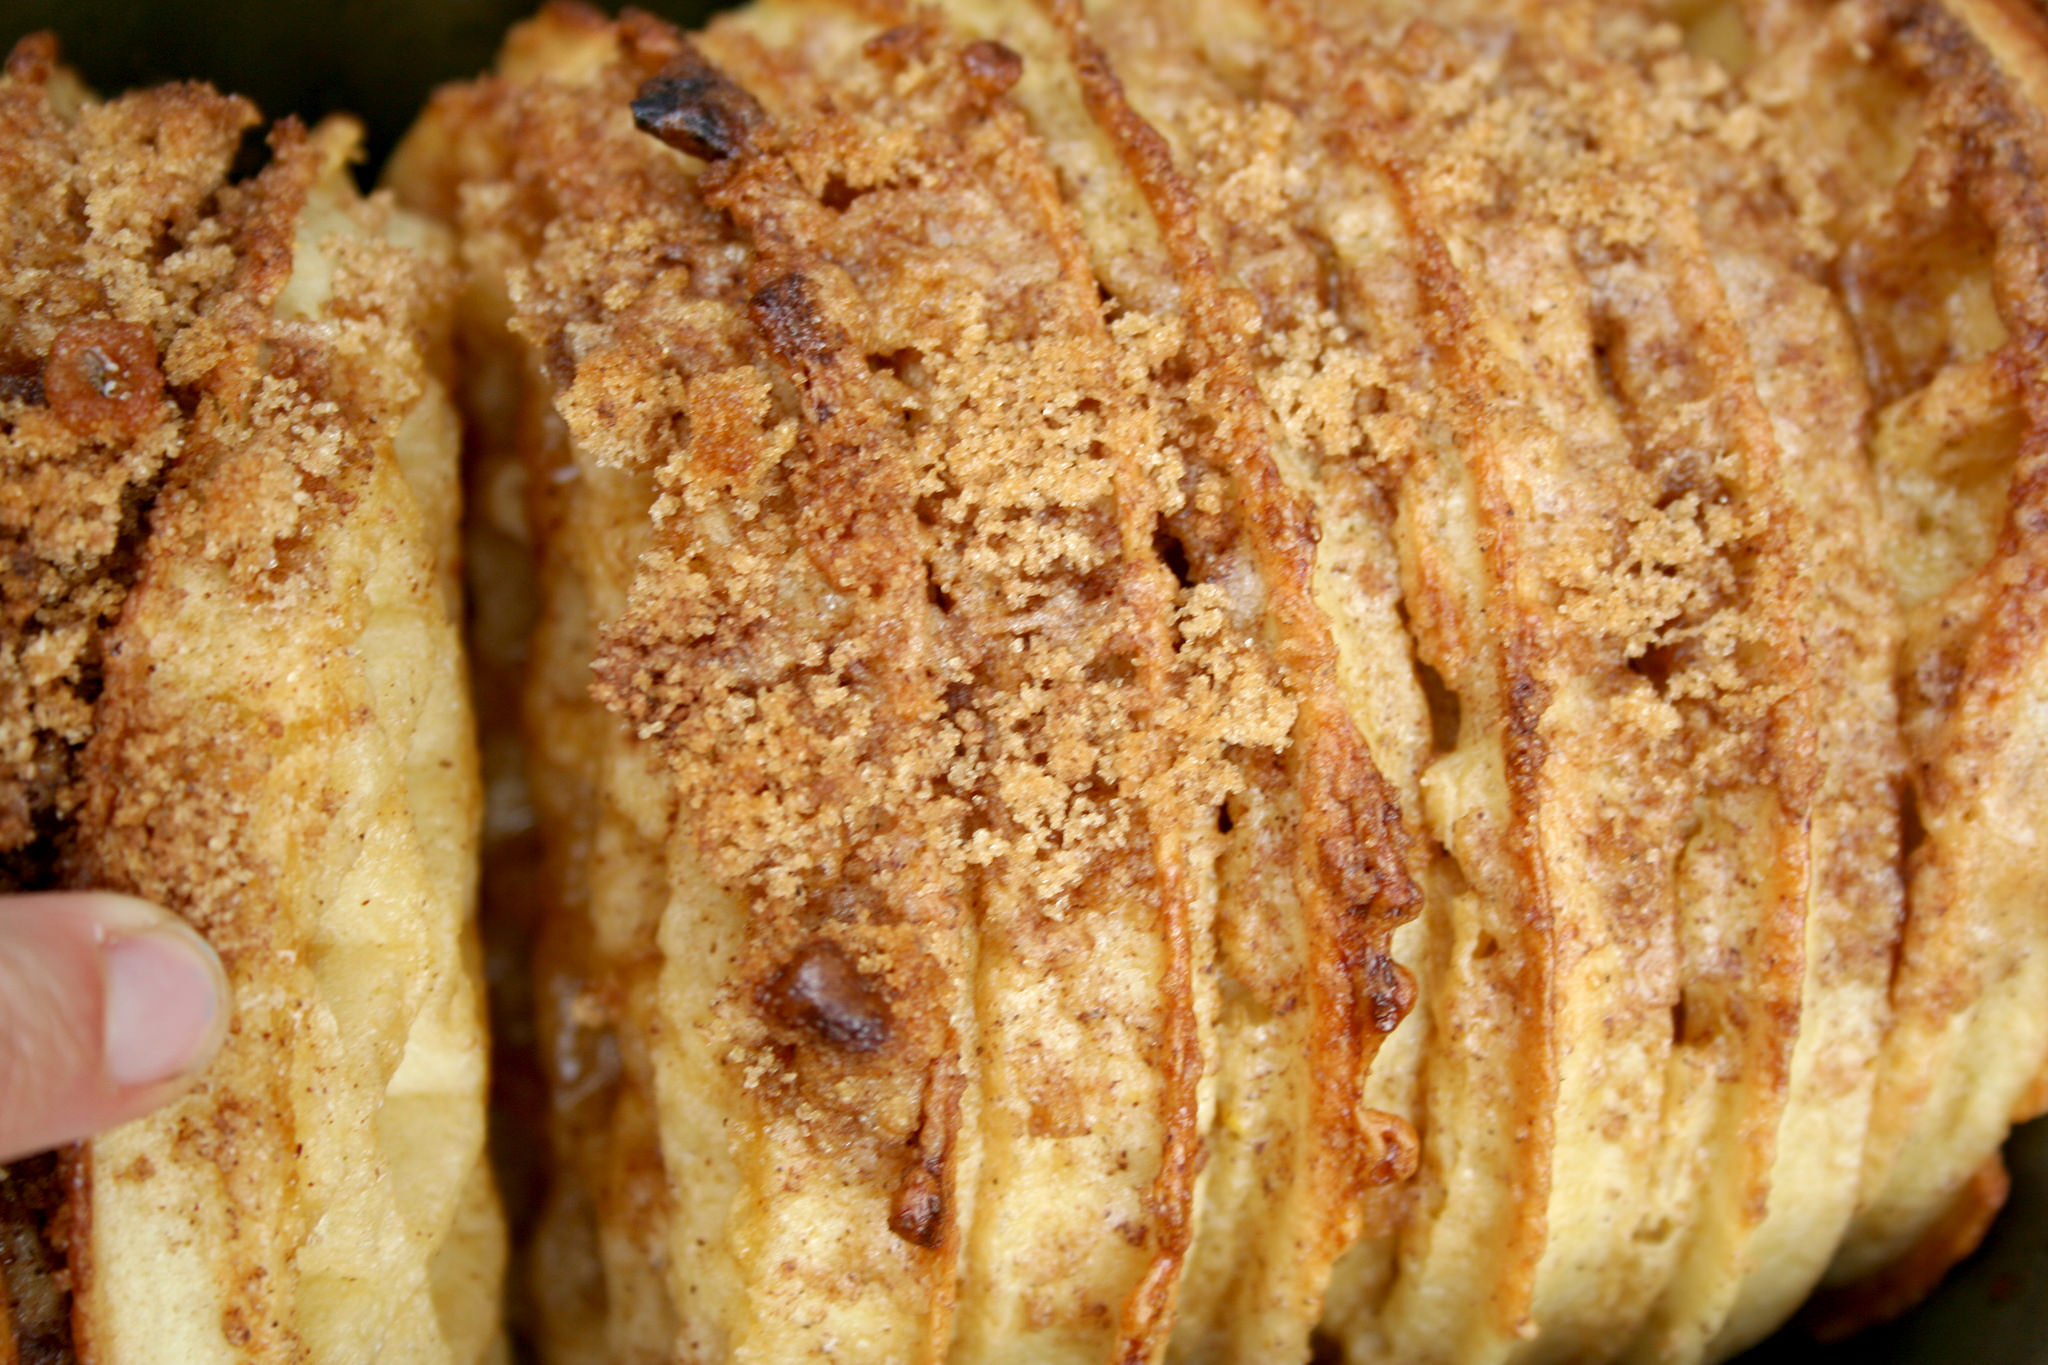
(164, 1005)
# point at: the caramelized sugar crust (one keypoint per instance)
(1099, 529)
(233, 685)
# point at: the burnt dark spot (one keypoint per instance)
(1604, 342)
(838, 195)
(1224, 824)
(821, 992)
(694, 107)
(1323, 1349)
(102, 378)
(919, 1213)
(1389, 994)
(991, 68)
(788, 316)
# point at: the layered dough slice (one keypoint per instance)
(954, 609)
(235, 686)
(1532, 396)
(1708, 220)
(1940, 224)
(1078, 514)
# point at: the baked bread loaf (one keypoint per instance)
(1129, 551)
(231, 681)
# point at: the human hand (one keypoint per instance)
(108, 1007)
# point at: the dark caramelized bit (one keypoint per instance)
(696, 108)
(787, 314)
(1389, 993)
(102, 378)
(823, 993)
(892, 48)
(1391, 1149)
(991, 67)
(919, 1215)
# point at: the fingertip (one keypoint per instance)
(165, 1009)
(109, 1006)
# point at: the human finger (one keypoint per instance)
(108, 1007)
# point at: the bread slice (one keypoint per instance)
(1956, 440)
(235, 686)
(931, 790)
(1602, 433)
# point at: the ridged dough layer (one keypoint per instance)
(1084, 518)
(234, 685)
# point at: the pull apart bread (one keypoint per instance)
(1101, 531)
(233, 684)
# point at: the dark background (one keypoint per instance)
(379, 59)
